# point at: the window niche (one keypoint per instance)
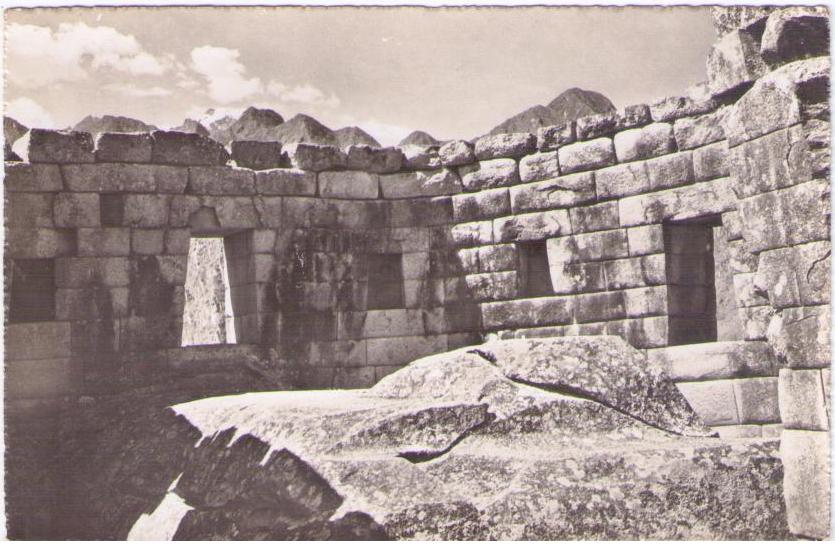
(385, 282)
(32, 290)
(534, 271)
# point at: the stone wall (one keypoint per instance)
(746, 163)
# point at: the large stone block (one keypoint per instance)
(576, 278)
(40, 378)
(719, 360)
(685, 203)
(777, 160)
(48, 146)
(190, 149)
(711, 162)
(37, 341)
(40, 243)
(755, 321)
(645, 240)
(634, 115)
(595, 217)
(32, 177)
(471, 234)
(599, 307)
(645, 302)
(806, 481)
(500, 285)
(313, 157)
(76, 210)
(601, 245)
(380, 323)
(560, 192)
(795, 276)
(401, 350)
(670, 171)
(285, 182)
(597, 125)
(774, 102)
(641, 333)
(733, 62)
(417, 157)
(81, 272)
(555, 136)
(456, 152)
(539, 166)
(492, 173)
(622, 180)
(532, 226)
(589, 155)
(351, 353)
(801, 336)
(420, 211)
(497, 258)
(103, 241)
(746, 292)
(631, 273)
(257, 155)
(33, 210)
(527, 312)
(786, 217)
(672, 108)
(420, 184)
(91, 304)
(150, 242)
(794, 33)
(483, 204)
(124, 148)
(701, 130)
(125, 177)
(349, 184)
(146, 210)
(712, 400)
(221, 181)
(802, 400)
(756, 400)
(649, 141)
(504, 145)
(375, 160)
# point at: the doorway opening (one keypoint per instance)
(208, 317)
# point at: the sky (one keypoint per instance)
(453, 72)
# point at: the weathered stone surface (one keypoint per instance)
(698, 131)
(634, 115)
(103, 242)
(421, 211)
(504, 145)
(584, 156)
(349, 184)
(146, 210)
(672, 108)
(756, 400)
(540, 166)
(806, 480)
(774, 102)
(121, 177)
(494, 286)
(648, 141)
(597, 125)
(149, 241)
(124, 147)
(76, 210)
(28, 177)
(257, 155)
(711, 162)
(418, 157)
(376, 160)
(622, 180)
(191, 149)
(785, 217)
(483, 204)
(497, 258)
(531, 226)
(314, 157)
(802, 400)
(456, 152)
(712, 400)
(774, 161)
(33, 242)
(471, 234)
(492, 173)
(645, 240)
(670, 171)
(555, 136)
(221, 181)
(420, 184)
(527, 312)
(285, 182)
(801, 336)
(78, 272)
(29, 210)
(594, 218)
(683, 203)
(795, 33)
(733, 62)
(795, 276)
(47, 146)
(645, 301)
(559, 192)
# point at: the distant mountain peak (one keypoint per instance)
(112, 124)
(351, 136)
(419, 138)
(571, 104)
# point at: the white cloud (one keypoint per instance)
(129, 90)
(29, 113)
(225, 74)
(302, 94)
(38, 56)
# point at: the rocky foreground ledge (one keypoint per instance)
(562, 438)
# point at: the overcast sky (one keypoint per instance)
(454, 72)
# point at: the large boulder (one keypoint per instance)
(547, 439)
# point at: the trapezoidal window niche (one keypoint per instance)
(700, 296)
(32, 290)
(385, 282)
(208, 317)
(534, 271)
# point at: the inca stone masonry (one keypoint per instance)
(697, 228)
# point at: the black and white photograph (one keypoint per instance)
(434, 273)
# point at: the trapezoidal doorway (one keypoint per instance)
(208, 317)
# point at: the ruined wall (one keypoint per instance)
(745, 164)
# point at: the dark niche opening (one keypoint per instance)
(385, 282)
(32, 290)
(534, 272)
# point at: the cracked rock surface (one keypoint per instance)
(522, 439)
